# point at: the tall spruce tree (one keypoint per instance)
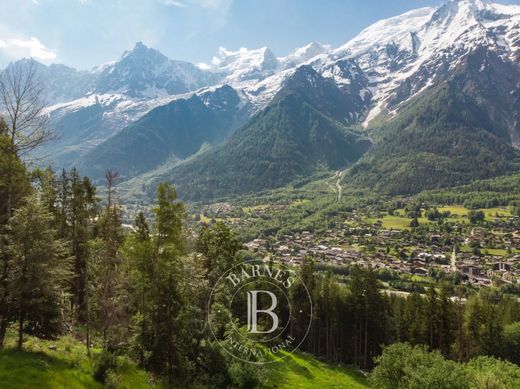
(14, 187)
(40, 273)
(168, 349)
(104, 274)
(138, 252)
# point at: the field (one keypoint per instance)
(392, 222)
(490, 213)
(399, 221)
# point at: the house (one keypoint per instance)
(501, 266)
(422, 271)
(471, 270)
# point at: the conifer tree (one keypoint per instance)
(14, 187)
(104, 273)
(138, 252)
(40, 273)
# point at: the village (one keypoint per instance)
(483, 270)
(483, 254)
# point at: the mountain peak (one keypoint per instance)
(245, 64)
(303, 54)
(140, 50)
(306, 78)
(475, 3)
(457, 10)
(140, 45)
(312, 45)
(144, 72)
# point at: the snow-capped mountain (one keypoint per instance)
(61, 83)
(84, 123)
(423, 45)
(474, 42)
(245, 65)
(100, 103)
(303, 54)
(146, 73)
(447, 78)
(376, 62)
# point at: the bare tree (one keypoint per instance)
(22, 103)
(112, 179)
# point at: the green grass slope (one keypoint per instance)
(64, 364)
(304, 371)
(65, 367)
(39, 370)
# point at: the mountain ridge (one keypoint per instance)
(299, 133)
(470, 44)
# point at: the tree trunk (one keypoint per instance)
(4, 302)
(366, 340)
(4, 305)
(20, 331)
(87, 313)
(3, 330)
(88, 338)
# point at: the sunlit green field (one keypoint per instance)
(459, 210)
(390, 222)
(399, 221)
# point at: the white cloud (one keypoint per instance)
(175, 3)
(17, 48)
(213, 4)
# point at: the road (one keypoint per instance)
(338, 189)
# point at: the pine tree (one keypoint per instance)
(299, 295)
(168, 349)
(14, 187)
(416, 316)
(82, 212)
(138, 252)
(104, 275)
(22, 129)
(40, 273)
(369, 309)
(445, 320)
(433, 317)
(219, 246)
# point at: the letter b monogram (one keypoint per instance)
(253, 311)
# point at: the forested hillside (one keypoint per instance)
(167, 134)
(305, 129)
(439, 140)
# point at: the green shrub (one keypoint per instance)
(106, 363)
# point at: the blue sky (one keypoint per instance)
(85, 33)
